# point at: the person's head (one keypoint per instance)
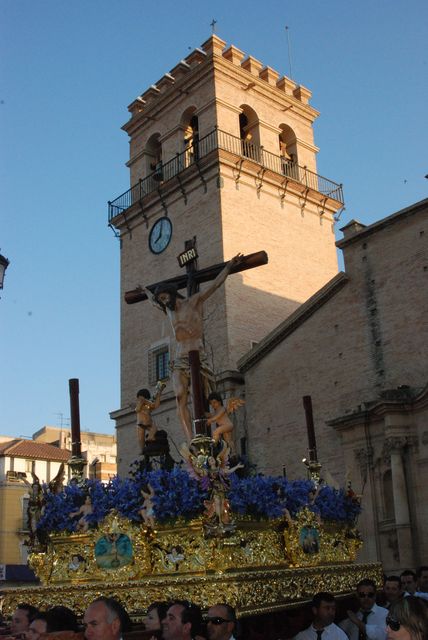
(408, 581)
(392, 588)
(215, 400)
(166, 295)
(323, 609)
(366, 594)
(21, 618)
(105, 619)
(408, 619)
(183, 620)
(61, 618)
(144, 393)
(422, 576)
(156, 612)
(38, 625)
(221, 620)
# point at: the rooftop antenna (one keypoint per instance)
(289, 51)
(63, 420)
(212, 25)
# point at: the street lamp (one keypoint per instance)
(4, 263)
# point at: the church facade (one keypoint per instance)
(222, 155)
(359, 348)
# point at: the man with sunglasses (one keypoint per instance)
(369, 623)
(221, 620)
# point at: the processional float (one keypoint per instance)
(204, 530)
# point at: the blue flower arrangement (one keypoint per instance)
(258, 496)
(178, 495)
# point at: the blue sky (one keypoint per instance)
(68, 71)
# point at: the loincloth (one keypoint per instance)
(182, 364)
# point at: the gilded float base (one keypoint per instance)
(258, 567)
(252, 592)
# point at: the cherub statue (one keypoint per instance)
(144, 407)
(147, 512)
(221, 416)
(175, 556)
(84, 511)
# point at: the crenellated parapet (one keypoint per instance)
(215, 47)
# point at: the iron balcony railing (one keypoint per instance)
(215, 140)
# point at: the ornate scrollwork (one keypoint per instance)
(396, 444)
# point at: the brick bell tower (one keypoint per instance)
(221, 150)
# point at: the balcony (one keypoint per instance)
(220, 140)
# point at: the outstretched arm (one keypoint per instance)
(221, 277)
(213, 417)
(151, 298)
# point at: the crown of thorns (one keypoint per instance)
(169, 288)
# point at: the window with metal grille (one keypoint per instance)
(158, 364)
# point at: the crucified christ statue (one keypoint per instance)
(186, 317)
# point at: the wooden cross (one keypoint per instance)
(249, 261)
(191, 280)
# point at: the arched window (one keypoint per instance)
(288, 150)
(249, 133)
(153, 152)
(190, 125)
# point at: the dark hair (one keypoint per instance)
(31, 611)
(215, 396)
(145, 393)
(117, 610)
(393, 579)
(419, 571)
(171, 290)
(322, 596)
(408, 572)
(61, 618)
(367, 582)
(161, 609)
(231, 613)
(190, 613)
(412, 613)
(42, 616)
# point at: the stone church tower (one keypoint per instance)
(221, 150)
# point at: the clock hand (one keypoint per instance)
(160, 233)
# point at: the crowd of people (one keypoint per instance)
(399, 611)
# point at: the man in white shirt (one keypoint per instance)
(221, 620)
(369, 621)
(323, 627)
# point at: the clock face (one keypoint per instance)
(160, 235)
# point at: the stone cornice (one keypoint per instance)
(377, 409)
